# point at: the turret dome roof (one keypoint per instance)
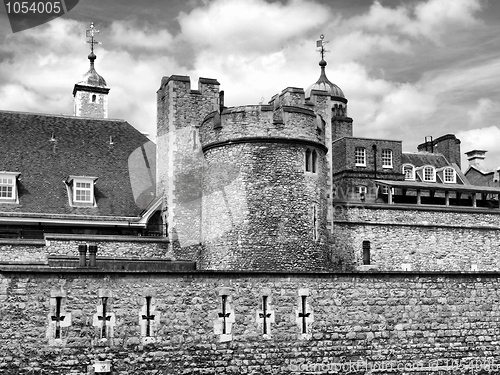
(324, 84)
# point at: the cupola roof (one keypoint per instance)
(92, 78)
(324, 84)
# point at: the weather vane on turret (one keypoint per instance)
(321, 45)
(90, 34)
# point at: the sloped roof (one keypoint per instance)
(419, 159)
(125, 169)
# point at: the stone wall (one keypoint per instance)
(427, 239)
(37, 251)
(180, 158)
(327, 323)
(262, 210)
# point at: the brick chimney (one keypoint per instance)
(448, 145)
(476, 158)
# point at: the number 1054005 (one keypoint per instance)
(34, 7)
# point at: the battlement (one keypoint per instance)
(204, 84)
(262, 121)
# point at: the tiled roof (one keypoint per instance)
(419, 159)
(125, 169)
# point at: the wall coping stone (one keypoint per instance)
(27, 269)
(104, 238)
(22, 241)
(416, 225)
(422, 207)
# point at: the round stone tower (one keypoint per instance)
(264, 204)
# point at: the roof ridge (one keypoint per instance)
(62, 116)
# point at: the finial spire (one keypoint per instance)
(90, 33)
(321, 45)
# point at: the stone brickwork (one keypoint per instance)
(261, 208)
(404, 323)
(426, 239)
(179, 171)
(37, 251)
(86, 107)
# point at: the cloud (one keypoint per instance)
(481, 111)
(127, 35)
(250, 26)
(40, 73)
(430, 19)
(486, 138)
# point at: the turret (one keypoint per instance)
(90, 92)
(264, 187)
(179, 170)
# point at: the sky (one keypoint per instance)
(409, 69)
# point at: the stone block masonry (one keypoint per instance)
(348, 323)
(425, 238)
(37, 251)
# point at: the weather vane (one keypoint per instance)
(321, 45)
(90, 34)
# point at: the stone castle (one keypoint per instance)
(261, 239)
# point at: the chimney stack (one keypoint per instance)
(476, 158)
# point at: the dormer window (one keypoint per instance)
(429, 174)
(8, 187)
(449, 176)
(81, 191)
(409, 172)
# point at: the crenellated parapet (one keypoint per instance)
(288, 124)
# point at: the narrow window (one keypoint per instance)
(93, 98)
(360, 156)
(366, 252)
(386, 158)
(265, 315)
(148, 316)
(314, 217)
(308, 160)
(314, 161)
(224, 314)
(57, 318)
(303, 314)
(105, 317)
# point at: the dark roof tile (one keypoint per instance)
(82, 147)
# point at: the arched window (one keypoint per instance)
(409, 172)
(429, 174)
(94, 97)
